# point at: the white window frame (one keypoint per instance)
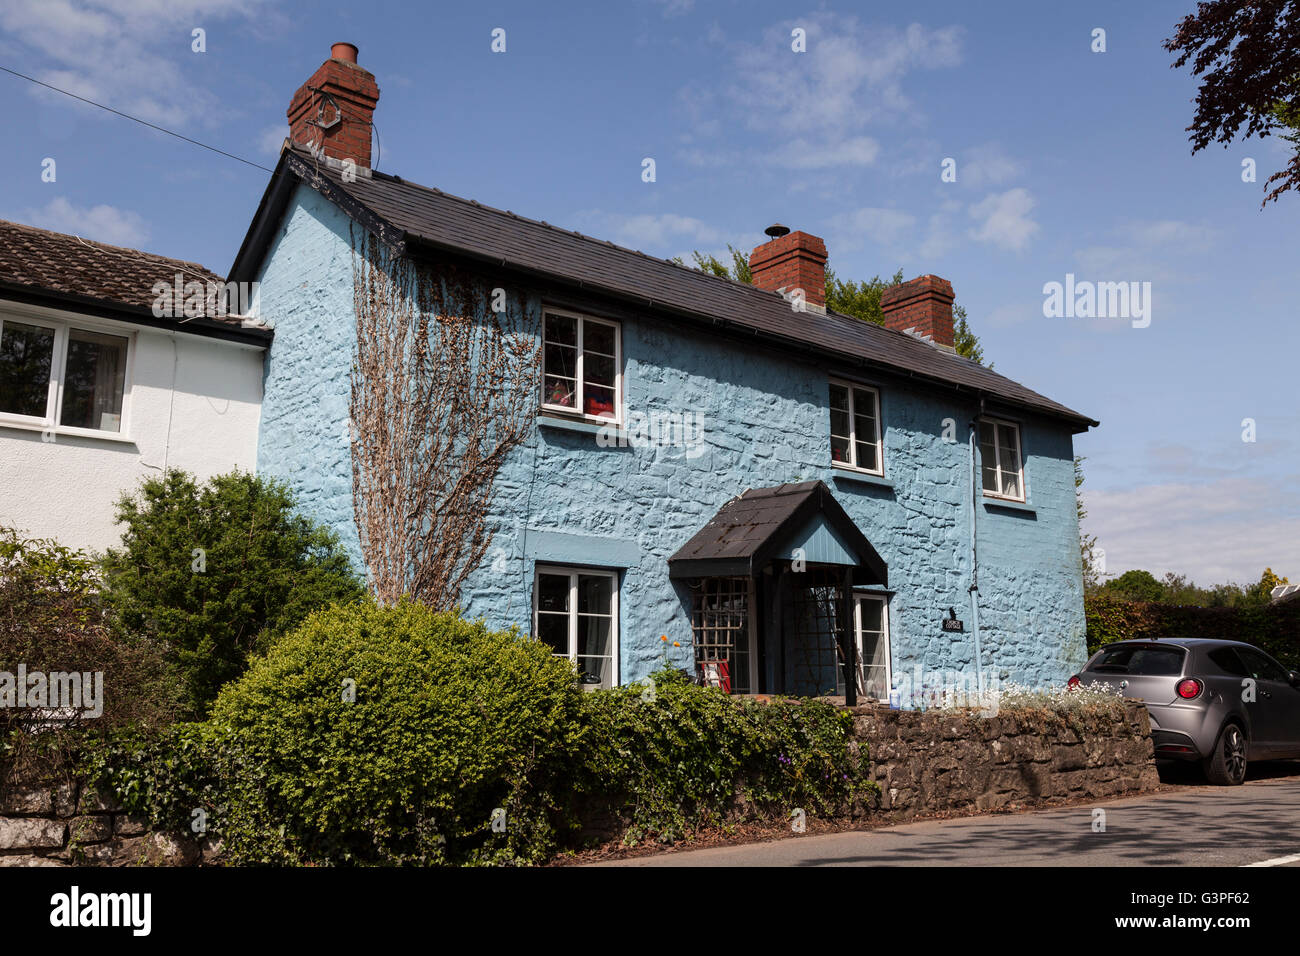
(852, 464)
(997, 462)
(49, 422)
(578, 409)
(883, 599)
(572, 573)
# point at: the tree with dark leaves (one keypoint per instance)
(1248, 55)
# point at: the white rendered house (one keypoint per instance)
(103, 383)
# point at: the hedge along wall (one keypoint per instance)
(919, 764)
(1273, 627)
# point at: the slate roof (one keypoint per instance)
(404, 213)
(82, 272)
(752, 528)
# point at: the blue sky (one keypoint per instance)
(1067, 160)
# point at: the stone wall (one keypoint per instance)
(67, 824)
(936, 761)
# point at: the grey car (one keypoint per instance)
(1219, 703)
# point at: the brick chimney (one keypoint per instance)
(332, 111)
(922, 306)
(792, 260)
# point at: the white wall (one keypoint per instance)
(206, 424)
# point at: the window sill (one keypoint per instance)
(581, 426)
(70, 433)
(840, 473)
(1010, 505)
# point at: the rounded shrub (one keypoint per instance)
(396, 735)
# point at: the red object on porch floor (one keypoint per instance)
(717, 674)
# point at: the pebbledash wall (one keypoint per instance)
(562, 498)
(192, 402)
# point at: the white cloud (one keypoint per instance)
(802, 154)
(1004, 219)
(271, 139)
(1225, 530)
(647, 230)
(132, 55)
(849, 76)
(883, 226)
(118, 227)
(985, 165)
(675, 8)
(818, 103)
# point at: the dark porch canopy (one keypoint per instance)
(766, 524)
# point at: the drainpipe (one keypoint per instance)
(974, 563)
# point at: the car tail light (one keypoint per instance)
(1073, 682)
(1187, 689)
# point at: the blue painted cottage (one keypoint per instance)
(798, 501)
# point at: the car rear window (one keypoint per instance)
(1142, 660)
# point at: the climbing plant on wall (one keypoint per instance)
(444, 385)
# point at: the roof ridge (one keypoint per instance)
(401, 181)
(104, 246)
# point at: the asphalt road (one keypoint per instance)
(1192, 825)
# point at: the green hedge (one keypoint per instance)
(451, 723)
(673, 756)
(1275, 628)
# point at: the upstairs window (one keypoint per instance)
(855, 428)
(581, 364)
(1003, 472)
(55, 375)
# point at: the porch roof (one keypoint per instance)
(763, 524)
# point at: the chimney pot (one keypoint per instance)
(347, 52)
(791, 260)
(923, 306)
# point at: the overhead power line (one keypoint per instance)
(136, 119)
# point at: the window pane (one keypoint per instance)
(558, 391)
(864, 402)
(986, 434)
(594, 636)
(598, 337)
(839, 397)
(840, 449)
(598, 400)
(596, 670)
(26, 356)
(1008, 437)
(552, 592)
(1260, 666)
(866, 456)
(597, 369)
(595, 593)
(93, 381)
(871, 611)
(1010, 471)
(562, 328)
(989, 475)
(553, 631)
(561, 360)
(839, 423)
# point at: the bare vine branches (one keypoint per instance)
(443, 388)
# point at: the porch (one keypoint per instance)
(787, 596)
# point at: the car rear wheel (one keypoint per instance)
(1226, 767)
